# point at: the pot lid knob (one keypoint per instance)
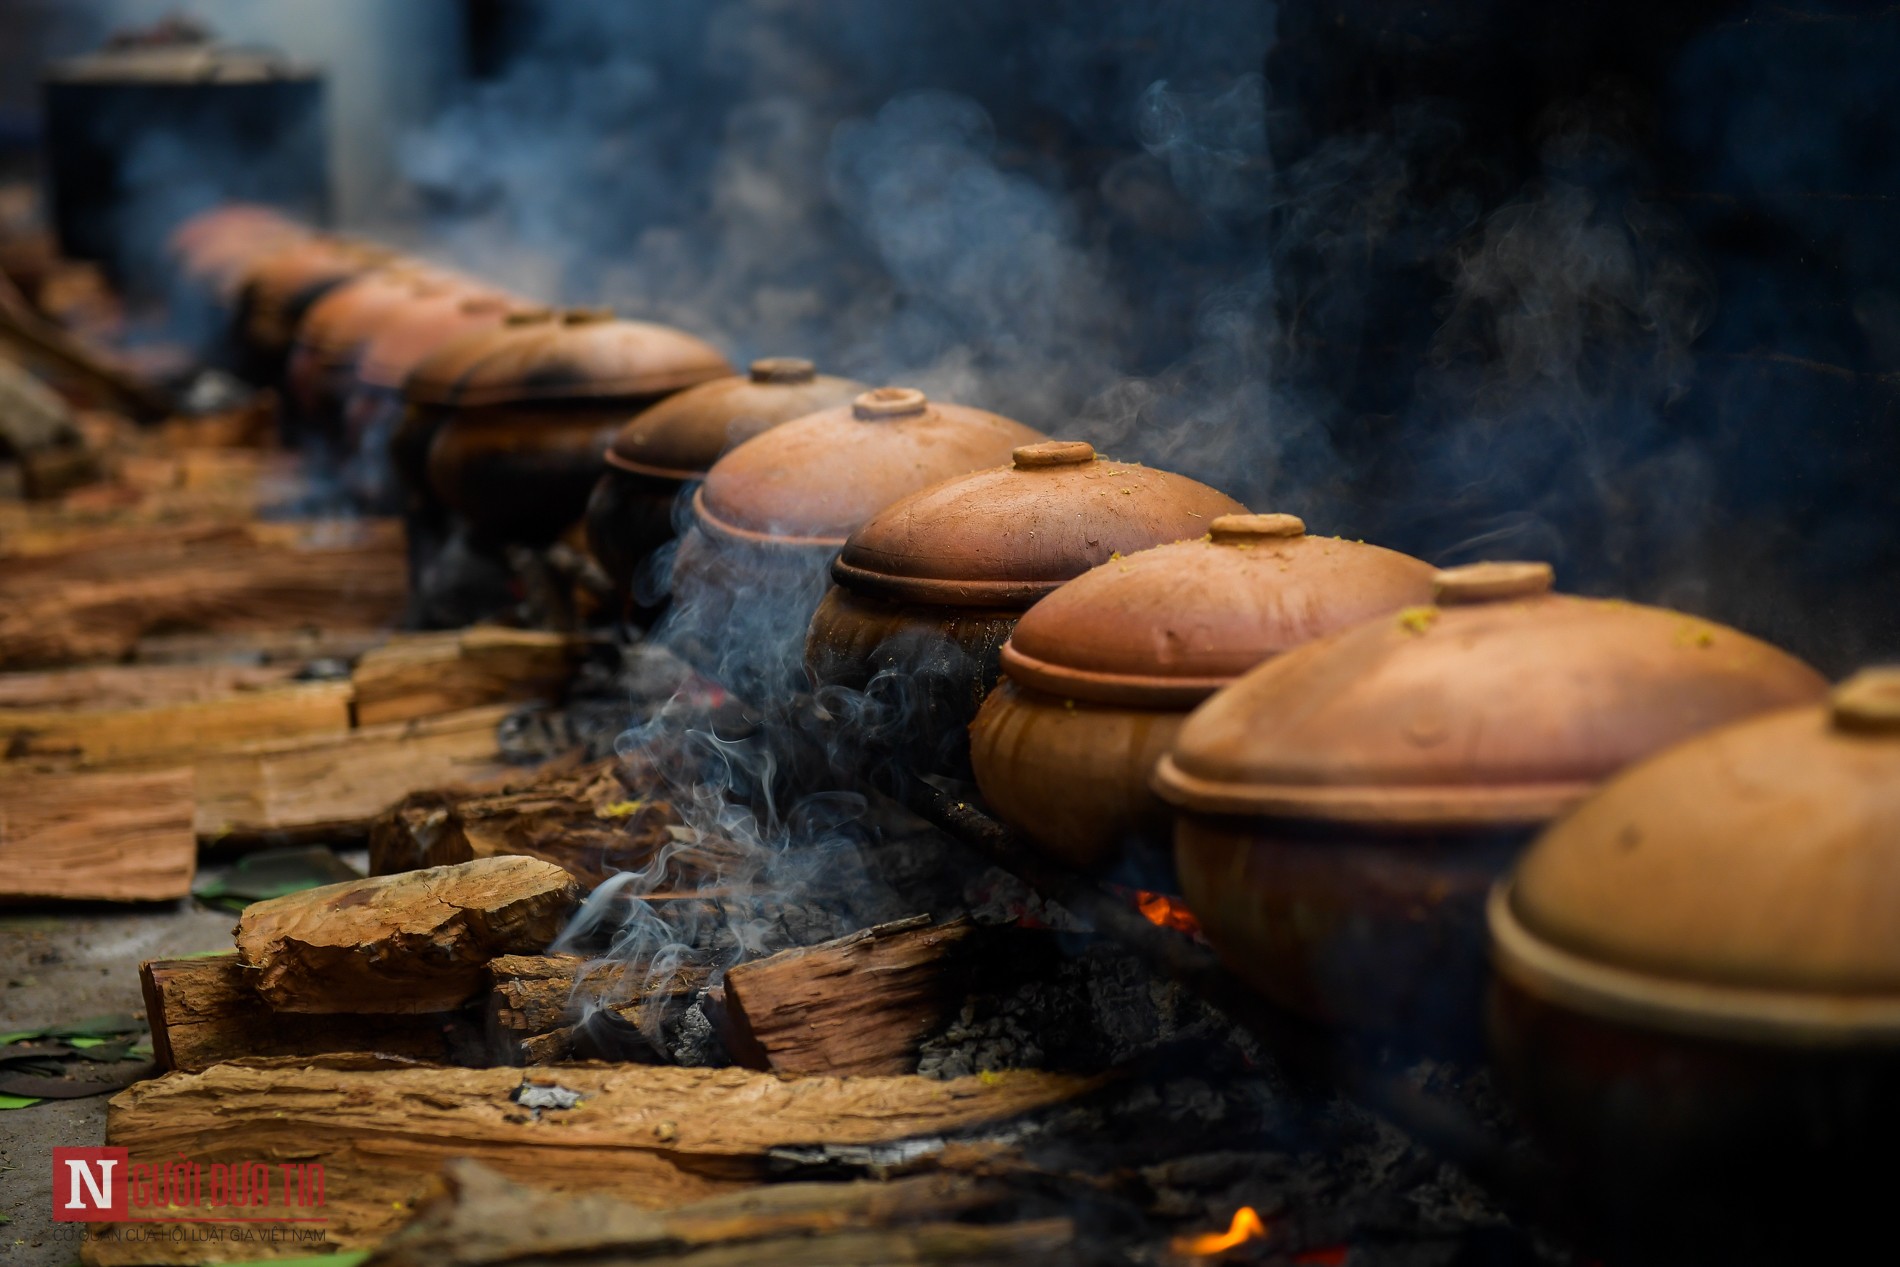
(528, 316)
(1491, 582)
(1029, 457)
(889, 402)
(1868, 702)
(586, 316)
(1240, 529)
(783, 369)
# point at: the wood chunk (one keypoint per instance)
(288, 646)
(587, 820)
(858, 1005)
(534, 1001)
(339, 784)
(203, 1011)
(416, 942)
(49, 473)
(174, 732)
(482, 1218)
(421, 675)
(656, 1136)
(96, 602)
(121, 837)
(136, 685)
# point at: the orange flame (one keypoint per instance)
(1246, 1226)
(1165, 912)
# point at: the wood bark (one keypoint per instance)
(421, 675)
(121, 837)
(174, 732)
(858, 1005)
(535, 1002)
(656, 1136)
(95, 603)
(482, 1218)
(591, 821)
(339, 784)
(204, 1010)
(416, 942)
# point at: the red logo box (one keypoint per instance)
(89, 1184)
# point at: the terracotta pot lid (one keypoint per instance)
(1167, 627)
(1501, 704)
(586, 354)
(812, 481)
(340, 323)
(311, 261)
(1007, 536)
(427, 322)
(1743, 883)
(436, 378)
(682, 436)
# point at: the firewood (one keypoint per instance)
(174, 732)
(482, 1218)
(123, 837)
(204, 1010)
(589, 821)
(426, 674)
(858, 1005)
(292, 646)
(136, 685)
(535, 1001)
(656, 1136)
(415, 942)
(95, 603)
(50, 473)
(338, 784)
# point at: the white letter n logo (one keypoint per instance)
(99, 1189)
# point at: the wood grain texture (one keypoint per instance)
(136, 685)
(415, 942)
(655, 1136)
(204, 1011)
(422, 675)
(174, 732)
(120, 836)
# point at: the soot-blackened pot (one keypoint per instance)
(928, 590)
(1697, 999)
(1344, 808)
(1099, 676)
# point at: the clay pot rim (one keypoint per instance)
(1146, 690)
(720, 530)
(631, 387)
(1402, 808)
(1678, 1005)
(632, 467)
(1014, 595)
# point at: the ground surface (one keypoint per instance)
(61, 965)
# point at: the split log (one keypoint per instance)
(535, 1002)
(95, 603)
(204, 1011)
(337, 785)
(423, 675)
(174, 732)
(283, 646)
(122, 837)
(483, 1219)
(136, 685)
(49, 473)
(416, 942)
(862, 1004)
(591, 821)
(656, 1136)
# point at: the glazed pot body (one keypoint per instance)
(1078, 771)
(923, 669)
(630, 516)
(520, 474)
(1679, 1147)
(1352, 927)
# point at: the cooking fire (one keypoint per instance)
(817, 632)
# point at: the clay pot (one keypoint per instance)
(1099, 676)
(278, 289)
(673, 444)
(322, 363)
(213, 249)
(527, 419)
(929, 589)
(1345, 807)
(1697, 1002)
(773, 513)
